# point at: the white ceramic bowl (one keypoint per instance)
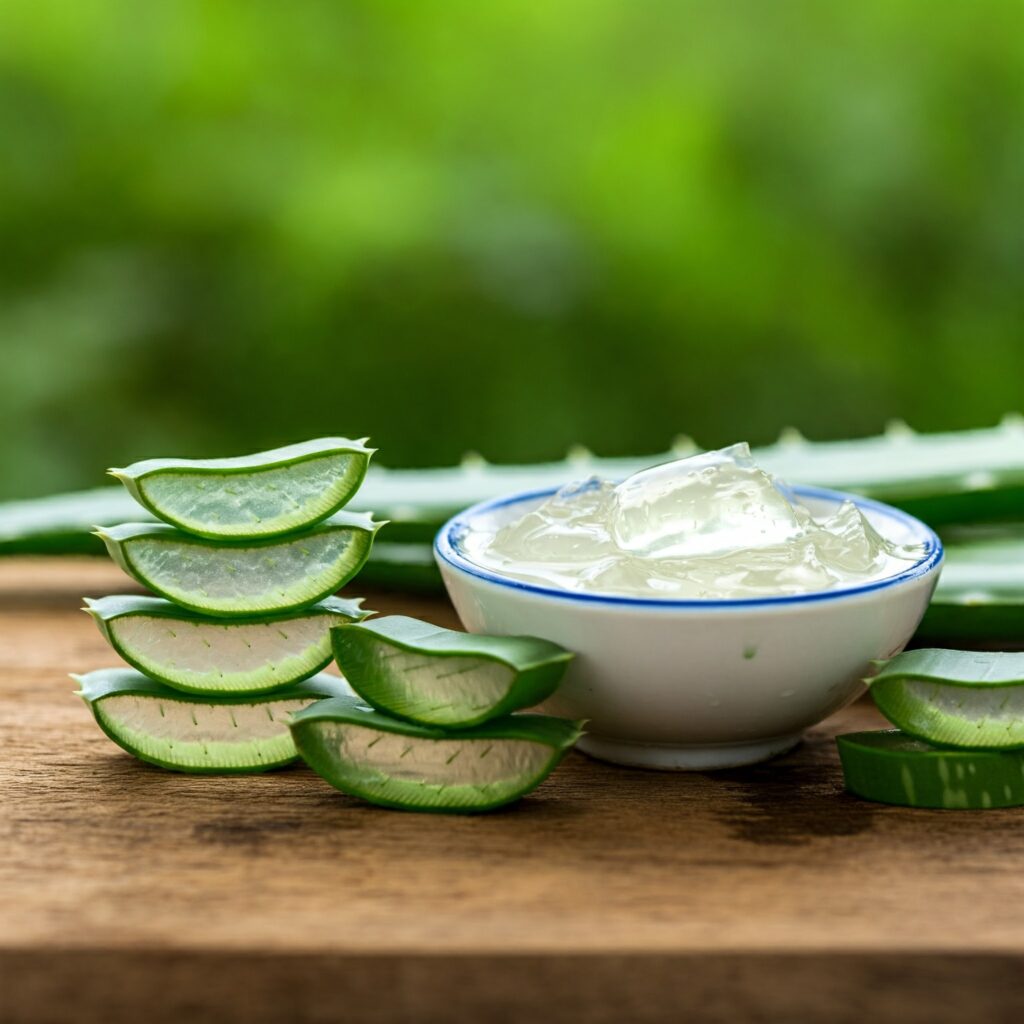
(699, 684)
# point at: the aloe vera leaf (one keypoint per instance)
(892, 768)
(424, 768)
(927, 474)
(993, 566)
(980, 594)
(261, 577)
(972, 699)
(982, 620)
(62, 524)
(409, 567)
(424, 673)
(263, 495)
(945, 477)
(427, 674)
(196, 654)
(960, 476)
(223, 735)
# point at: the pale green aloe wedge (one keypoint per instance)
(197, 654)
(263, 495)
(222, 735)
(262, 577)
(972, 699)
(424, 768)
(893, 768)
(436, 676)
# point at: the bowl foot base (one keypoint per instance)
(685, 758)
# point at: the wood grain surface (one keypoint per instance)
(611, 895)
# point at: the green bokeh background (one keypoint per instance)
(502, 226)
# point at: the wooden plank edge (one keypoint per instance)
(156, 986)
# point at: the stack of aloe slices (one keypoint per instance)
(243, 564)
(959, 741)
(438, 730)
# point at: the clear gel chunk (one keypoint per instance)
(705, 505)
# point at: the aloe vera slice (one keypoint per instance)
(261, 495)
(199, 734)
(196, 654)
(971, 699)
(893, 768)
(424, 768)
(436, 676)
(253, 578)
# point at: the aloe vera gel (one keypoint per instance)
(225, 654)
(714, 525)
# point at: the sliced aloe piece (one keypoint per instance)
(972, 699)
(436, 676)
(261, 495)
(252, 578)
(893, 768)
(424, 768)
(196, 654)
(199, 734)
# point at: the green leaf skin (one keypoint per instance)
(980, 594)
(197, 654)
(423, 673)
(966, 699)
(406, 567)
(406, 766)
(252, 578)
(263, 495)
(892, 768)
(982, 618)
(199, 735)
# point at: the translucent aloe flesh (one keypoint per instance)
(972, 699)
(262, 495)
(197, 654)
(436, 676)
(424, 768)
(248, 578)
(199, 734)
(892, 768)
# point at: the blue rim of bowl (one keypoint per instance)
(446, 550)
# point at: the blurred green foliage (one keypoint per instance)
(501, 226)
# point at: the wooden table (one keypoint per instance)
(132, 894)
